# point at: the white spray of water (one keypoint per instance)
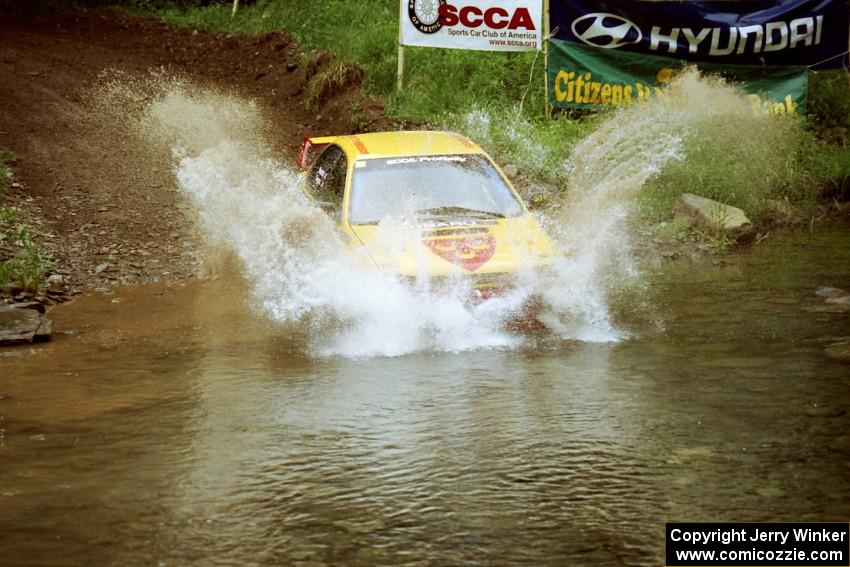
(302, 273)
(607, 171)
(299, 268)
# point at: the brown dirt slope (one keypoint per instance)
(105, 202)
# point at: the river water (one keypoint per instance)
(166, 425)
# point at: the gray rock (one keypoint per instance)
(44, 331)
(23, 326)
(101, 268)
(693, 210)
(827, 291)
(842, 300)
(511, 170)
(34, 305)
(18, 326)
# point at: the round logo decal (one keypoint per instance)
(470, 253)
(608, 31)
(425, 14)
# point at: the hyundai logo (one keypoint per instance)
(607, 31)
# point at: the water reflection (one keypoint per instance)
(173, 429)
(334, 457)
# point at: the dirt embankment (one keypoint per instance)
(115, 213)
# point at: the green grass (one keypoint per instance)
(334, 76)
(5, 172)
(366, 33)
(784, 163)
(829, 105)
(498, 100)
(28, 264)
(539, 148)
(443, 88)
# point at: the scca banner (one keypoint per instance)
(746, 32)
(486, 25)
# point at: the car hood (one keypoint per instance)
(451, 247)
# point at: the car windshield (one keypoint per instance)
(429, 186)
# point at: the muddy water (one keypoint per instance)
(166, 426)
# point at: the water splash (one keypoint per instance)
(302, 274)
(248, 204)
(608, 169)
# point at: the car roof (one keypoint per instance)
(401, 143)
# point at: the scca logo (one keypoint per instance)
(429, 16)
(425, 14)
(607, 31)
(496, 18)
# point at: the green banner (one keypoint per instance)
(593, 78)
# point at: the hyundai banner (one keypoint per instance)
(591, 78)
(486, 25)
(747, 32)
(607, 53)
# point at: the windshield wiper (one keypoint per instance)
(441, 211)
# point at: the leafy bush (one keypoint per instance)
(829, 105)
(27, 269)
(28, 264)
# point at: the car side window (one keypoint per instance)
(327, 180)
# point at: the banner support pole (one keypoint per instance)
(400, 72)
(400, 80)
(545, 45)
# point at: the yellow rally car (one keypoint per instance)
(468, 221)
